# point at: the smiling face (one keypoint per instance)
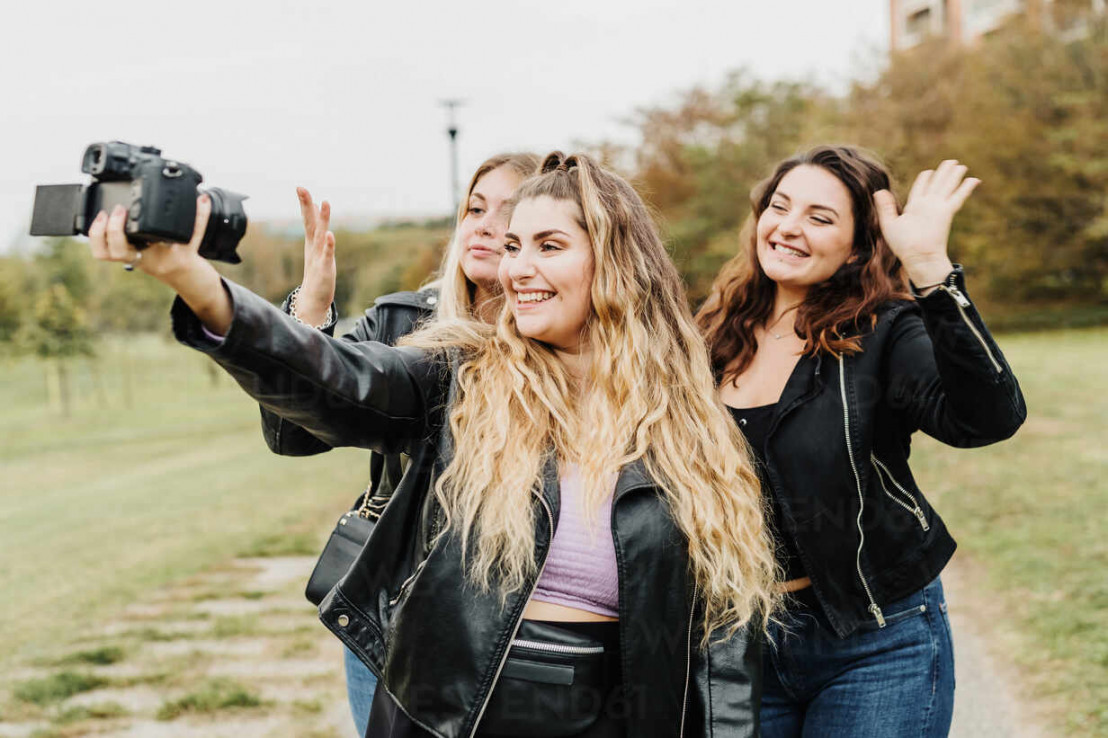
(807, 231)
(547, 272)
(481, 231)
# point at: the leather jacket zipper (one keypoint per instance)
(407, 583)
(556, 647)
(436, 528)
(436, 523)
(688, 662)
(963, 302)
(914, 508)
(873, 608)
(519, 621)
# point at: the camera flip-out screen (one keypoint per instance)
(55, 209)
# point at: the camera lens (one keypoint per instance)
(226, 226)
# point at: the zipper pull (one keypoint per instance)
(922, 520)
(956, 293)
(876, 611)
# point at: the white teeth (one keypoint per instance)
(534, 296)
(788, 249)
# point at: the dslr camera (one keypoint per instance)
(159, 195)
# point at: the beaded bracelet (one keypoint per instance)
(292, 311)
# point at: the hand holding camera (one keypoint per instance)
(143, 210)
(178, 265)
(108, 242)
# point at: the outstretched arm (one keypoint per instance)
(344, 394)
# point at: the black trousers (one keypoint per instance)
(387, 720)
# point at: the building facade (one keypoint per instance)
(964, 21)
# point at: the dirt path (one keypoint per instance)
(988, 702)
(238, 653)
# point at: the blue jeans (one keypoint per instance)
(877, 682)
(360, 686)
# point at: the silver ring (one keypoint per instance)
(130, 266)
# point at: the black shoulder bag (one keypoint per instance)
(348, 538)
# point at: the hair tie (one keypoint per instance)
(556, 161)
(553, 161)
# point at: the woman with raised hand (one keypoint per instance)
(840, 329)
(467, 285)
(596, 557)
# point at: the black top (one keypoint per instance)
(754, 422)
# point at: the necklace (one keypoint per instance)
(769, 328)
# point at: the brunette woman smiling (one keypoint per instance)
(829, 361)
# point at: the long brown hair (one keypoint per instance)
(835, 311)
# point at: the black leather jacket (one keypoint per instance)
(436, 642)
(392, 317)
(838, 446)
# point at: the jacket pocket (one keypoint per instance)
(897, 613)
(902, 497)
(554, 684)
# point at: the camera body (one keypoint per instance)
(159, 195)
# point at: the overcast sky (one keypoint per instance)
(343, 97)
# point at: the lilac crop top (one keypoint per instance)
(580, 567)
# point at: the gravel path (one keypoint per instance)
(233, 653)
(247, 625)
(987, 701)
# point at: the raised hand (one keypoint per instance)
(317, 289)
(919, 235)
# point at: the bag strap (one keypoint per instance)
(372, 507)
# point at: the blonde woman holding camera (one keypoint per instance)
(595, 561)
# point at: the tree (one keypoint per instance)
(13, 304)
(1027, 112)
(699, 160)
(1025, 109)
(59, 332)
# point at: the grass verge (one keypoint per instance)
(1030, 514)
(54, 688)
(213, 696)
(160, 472)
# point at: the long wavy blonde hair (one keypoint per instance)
(456, 292)
(648, 394)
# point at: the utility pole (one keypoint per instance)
(452, 131)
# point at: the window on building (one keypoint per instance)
(918, 23)
(1068, 14)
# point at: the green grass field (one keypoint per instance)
(1031, 514)
(122, 497)
(130, 494)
